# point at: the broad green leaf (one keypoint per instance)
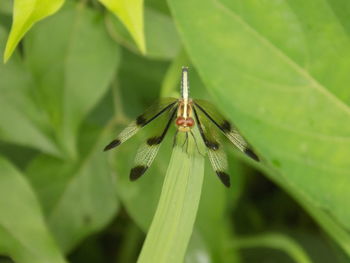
(130, 13)
(73, 61)
(24, 235)
(25, 15)
(21, 121)
(161, 36)
(270, 67)
(172, 224)
(78, 198)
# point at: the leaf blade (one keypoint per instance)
(82, 199)
(130, 12)
(74, 78)
(172, 225)
(31, 125)
(25, 16)
(290, 112)
(16, 230)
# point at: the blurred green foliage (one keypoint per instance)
(277, 69)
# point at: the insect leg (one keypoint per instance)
(195, 141)
(184, 144)
(175, 138)
(187, 143)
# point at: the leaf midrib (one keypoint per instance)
(314, 83)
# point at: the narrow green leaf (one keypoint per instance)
(130, 12)
(23, 233)
(71, 76)
(172, 225)
(25, 15)
(275, 241)
(270, 67)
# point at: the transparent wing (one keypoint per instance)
(158, 109)
(148, 150)
(216, 153)
(212, 114)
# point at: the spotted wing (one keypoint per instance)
(216, 153)
(152, 113)
(149, 149)
(212, 114)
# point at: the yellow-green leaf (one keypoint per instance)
(25, 15)
(130, 12)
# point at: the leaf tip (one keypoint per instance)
(142, 46)
(7, 53)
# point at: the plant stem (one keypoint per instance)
(275, 241)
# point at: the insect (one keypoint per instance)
(186, 113)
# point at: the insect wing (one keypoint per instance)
(216, 153)
(149, 149)
(152, 113)
(212, 114)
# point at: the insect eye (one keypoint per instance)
(180, 121)
(190, 122)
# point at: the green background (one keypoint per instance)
(77, 72)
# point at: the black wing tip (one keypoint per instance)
(137, 171)
(154, 140)
(141, 121)
(251, 154)
(224, 178)
(112, 145)
(212, 145)
(226, 126)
